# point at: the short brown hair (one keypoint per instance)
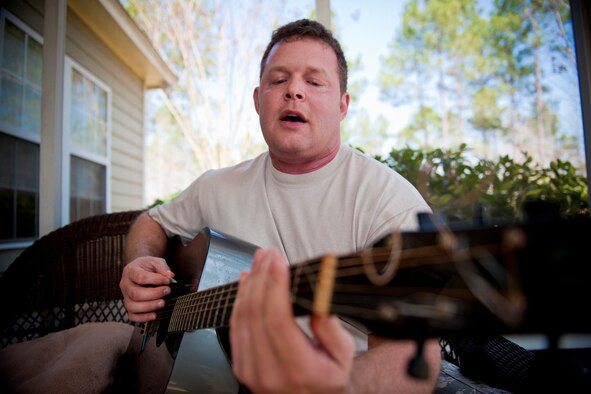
(305, 28)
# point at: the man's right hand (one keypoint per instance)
(144, 283)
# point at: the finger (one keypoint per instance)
(334, 339)
(288, 341)
(261, 299)
(140, 293)
(141, 317)
(239, 337)
(252, 316)
(148, 271)
(141, 312)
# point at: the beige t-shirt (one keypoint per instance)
(343, 207)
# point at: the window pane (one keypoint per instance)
(77, 126)
(34, 63)
(77, 86)
(32, 108)
(26, 214)
(27, 165)
(88, 115)
(7, 229)
(11, 100)
(19, 189)
(100, 140)
(20, 83)
(13, 54)
(7, 161)
(102, 105)
(87, 188)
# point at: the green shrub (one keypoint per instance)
(460, 186)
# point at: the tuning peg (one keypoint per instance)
(431, 221)
(417, 366)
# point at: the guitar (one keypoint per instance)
(529, 277)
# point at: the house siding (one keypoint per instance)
(30, 12)
(127, 112)
(127, 106)
(127, 100)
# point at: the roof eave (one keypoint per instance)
(113, 25)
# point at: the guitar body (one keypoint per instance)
(200, 358)
(202, 365)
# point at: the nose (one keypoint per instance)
(294, 92)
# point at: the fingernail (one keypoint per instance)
(166, 290)
(172, 280)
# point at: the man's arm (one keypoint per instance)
(383, 368)
(146, 276)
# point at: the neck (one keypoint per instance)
(303, 166)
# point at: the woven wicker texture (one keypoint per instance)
(66, 278)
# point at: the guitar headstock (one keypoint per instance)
(497, 279)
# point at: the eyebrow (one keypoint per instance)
(309, 70)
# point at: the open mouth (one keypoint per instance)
(293, 118)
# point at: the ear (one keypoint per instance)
(255, 97)
(344, 105)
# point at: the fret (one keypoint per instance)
(194, 309)
(188, 312)
(171, 323)
(204, 302)
(223, 305)
(183, 320)
(199, 317)
(177, 315)
(224, 317)
(216, 306)
(208, 308)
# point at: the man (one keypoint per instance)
(308, 195)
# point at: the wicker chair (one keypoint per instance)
(66, 278)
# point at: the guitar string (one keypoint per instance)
(196, 299)
(349, 266)
(346, 265)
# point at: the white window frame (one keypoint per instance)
(9, 129)
(69, 150)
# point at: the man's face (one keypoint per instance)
(299, 101)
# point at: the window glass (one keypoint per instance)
(13, 53)
(88, 137)
(87, 188)
(20, 89)
(34, 63)
(20, 129)
(11, 100)
(88, 115)
(19, 189)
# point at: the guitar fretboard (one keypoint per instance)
(208, 308)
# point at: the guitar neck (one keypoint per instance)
(492, 279)
(212, 308)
